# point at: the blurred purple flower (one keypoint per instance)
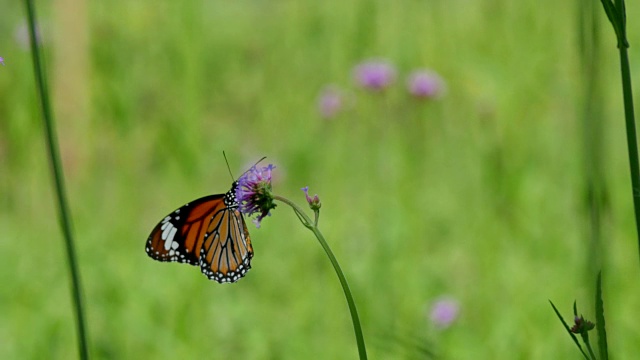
(2, 60)
(253, 193)
(444, 312)
(375, 74)
(425, 84)
(330, 102)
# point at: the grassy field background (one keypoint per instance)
(479, 196)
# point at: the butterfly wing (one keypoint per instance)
(181, 234)
(226, 253)
(209, 232)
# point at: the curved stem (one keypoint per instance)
(362, 351)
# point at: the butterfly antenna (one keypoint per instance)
(257, 162)
(228, 167)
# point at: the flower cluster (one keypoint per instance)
(2, 60)
(253, 193)
(377, 75)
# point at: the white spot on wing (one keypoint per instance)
(167, 235)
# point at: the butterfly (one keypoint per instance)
(209, 232)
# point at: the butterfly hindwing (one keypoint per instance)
(226, 253)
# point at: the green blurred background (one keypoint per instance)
(479, 196)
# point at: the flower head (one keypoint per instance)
(2, 60)
(375, 74)
(314, 202)
(425, 84)
(581, 326)
(330, 102)
(444, 312)
(253, 193)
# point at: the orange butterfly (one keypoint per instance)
(209, 232)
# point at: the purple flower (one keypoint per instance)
(253, 193)
(314, 202)
(375, 74)
(444, 312)
(2, 60)
(330, 102)
(425, 84)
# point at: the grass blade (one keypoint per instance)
(573, 336)
(610, 10)
(600, 324)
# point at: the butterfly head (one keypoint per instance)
(230, 199)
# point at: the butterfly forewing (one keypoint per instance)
(179, 236)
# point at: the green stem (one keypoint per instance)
(632, 142)
(585, 338)
(616, 12)
(54, 160)
(362, 351)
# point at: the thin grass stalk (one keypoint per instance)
(54, 160)
(632, 142)
(627, 95)
(600, 322)
(616, 13)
